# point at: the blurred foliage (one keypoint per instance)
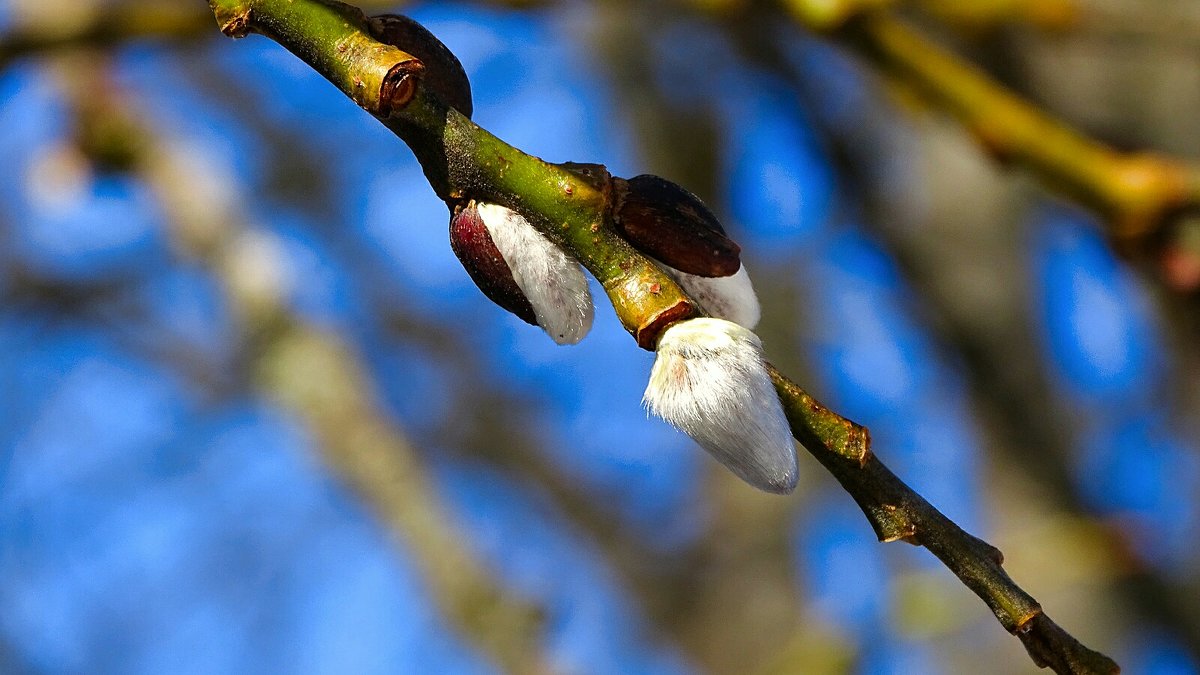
(161, 513)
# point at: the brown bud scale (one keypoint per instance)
(666, 222)
(475, 249)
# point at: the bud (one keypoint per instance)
(470, 241)
(444, 73)
(671, 224)
(731, 298)
(710, 381)
(521, 270)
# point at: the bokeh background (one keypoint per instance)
(161, 511)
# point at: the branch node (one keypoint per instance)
(399, 86)
(236, 23)
(892, 523)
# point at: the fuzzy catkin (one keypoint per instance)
(731, 298)
(710, 381)
(554, 283)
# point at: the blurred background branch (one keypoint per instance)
(307, 369)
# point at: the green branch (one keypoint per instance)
(571, 204)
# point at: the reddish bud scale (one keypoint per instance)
(672, 225)
(475, 249)
(444, 73)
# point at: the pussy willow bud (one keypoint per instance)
(710, 381)
(731, 298)
(444, 73)
(471, 242)
(671, 224)
(521, 270)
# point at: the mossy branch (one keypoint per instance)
(463, 161)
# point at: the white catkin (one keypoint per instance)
(731, 298)
(710, 381)
(553, 282)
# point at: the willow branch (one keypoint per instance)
(463, 161)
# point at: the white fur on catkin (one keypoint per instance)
(710, 381)
(553, 282)
(731, 298)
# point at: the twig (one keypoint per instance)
(1138, 193)
(898, 513)
(462, 160)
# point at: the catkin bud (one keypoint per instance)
(668, 223)
(521, 270)
(731, 298)
(710, 381)
(471, 242)
(444, 73)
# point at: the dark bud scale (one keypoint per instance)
(444, 73)
(672, 225)
(477, 252)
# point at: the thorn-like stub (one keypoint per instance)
(668, 223)
(235, 25)
(595, 175)
(445, 75)
(399, 86)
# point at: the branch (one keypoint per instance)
(463, 161)
(898, 513)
